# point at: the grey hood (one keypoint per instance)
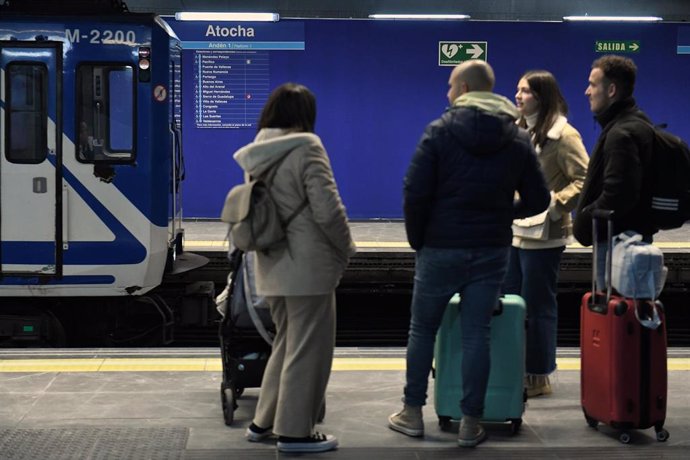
(269, 146)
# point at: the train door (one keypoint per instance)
(30, 159)
(178, 172)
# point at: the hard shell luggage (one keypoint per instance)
(505, 394)
(623, 378)
(245, 336)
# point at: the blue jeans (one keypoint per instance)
(533, 274)
(476, 274)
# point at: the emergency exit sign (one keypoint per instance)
(617, 46)
(454, 53)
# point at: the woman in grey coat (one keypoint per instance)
(299, 278)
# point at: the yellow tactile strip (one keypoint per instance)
(191, 245)
(196, 244)
(214, 364)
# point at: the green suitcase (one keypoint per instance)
(505, 394)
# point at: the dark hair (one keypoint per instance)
(619, 70)
(290, 106)
(551, 102)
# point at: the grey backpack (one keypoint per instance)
(255, 224)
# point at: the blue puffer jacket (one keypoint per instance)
(460, 186)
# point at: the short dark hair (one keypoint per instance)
(551, 102)
(290, 106)
(619, 70)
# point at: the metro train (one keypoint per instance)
(91, 160)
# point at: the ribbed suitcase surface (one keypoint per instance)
(623, 366)
(623, 376)
(505, 400)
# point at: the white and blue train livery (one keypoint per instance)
(90, 154)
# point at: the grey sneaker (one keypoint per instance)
(471, 432)
(408, 421)
(537, 385)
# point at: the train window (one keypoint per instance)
(27, 117)
(105, 113)
(121, 115)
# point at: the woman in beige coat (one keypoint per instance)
(539, 241)
(298, 279)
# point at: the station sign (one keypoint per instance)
(454, 53)
(617, 46)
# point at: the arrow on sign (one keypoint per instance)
(476, 51)
(634, 46)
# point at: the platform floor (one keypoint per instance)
(164, 403)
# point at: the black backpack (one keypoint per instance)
(670, 180)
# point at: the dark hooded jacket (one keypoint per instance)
(617, 176)
(459, 190)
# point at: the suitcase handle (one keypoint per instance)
(598, 214)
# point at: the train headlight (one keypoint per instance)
(144, 64)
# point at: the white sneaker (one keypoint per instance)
(317, 442)
(256, 434)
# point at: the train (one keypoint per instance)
(91, 158)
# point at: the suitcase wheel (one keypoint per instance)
(238, 392)
(228, 402)
(445, 422)
(591, 422)
(662, 435)
(515, 424)
(624, 437)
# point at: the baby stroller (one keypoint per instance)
(246, 333)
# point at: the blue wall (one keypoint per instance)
(378, 83)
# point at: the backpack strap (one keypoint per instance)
(269, 181)
(251, 308)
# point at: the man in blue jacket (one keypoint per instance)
(459, 206)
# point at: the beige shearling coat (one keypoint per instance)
(564, 162)
(319, 243)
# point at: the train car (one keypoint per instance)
(91, 153)
(91, 167)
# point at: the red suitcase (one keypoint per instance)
(623, 379)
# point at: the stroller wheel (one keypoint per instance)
(228, 401)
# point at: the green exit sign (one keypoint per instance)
(617, 46)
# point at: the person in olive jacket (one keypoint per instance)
(619, 168)
(459, 205)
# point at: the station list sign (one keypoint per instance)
(230, 87)
(231, 67)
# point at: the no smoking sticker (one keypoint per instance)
(160, 93)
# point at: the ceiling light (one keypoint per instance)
(419, 16)
(208, 16)
(614, 18)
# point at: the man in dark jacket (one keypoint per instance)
(617, 176)
(459, 205)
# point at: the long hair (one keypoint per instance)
(545, 90)
(290, 106)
